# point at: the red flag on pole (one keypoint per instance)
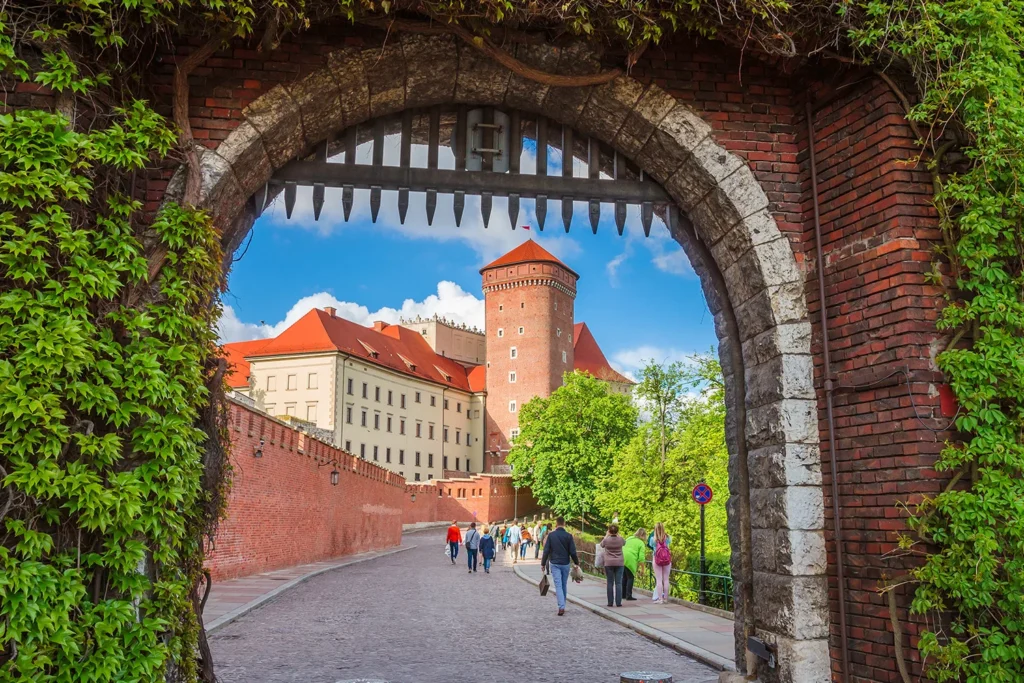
(526, 227)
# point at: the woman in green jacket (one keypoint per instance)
(634, 554)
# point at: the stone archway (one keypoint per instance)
(746, 265)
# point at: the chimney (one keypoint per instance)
(379, 325)
(330, 310)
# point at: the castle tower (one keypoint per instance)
(528, 301)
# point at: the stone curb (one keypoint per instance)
(226, 619)
(700, 654)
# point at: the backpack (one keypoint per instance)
(662, 555)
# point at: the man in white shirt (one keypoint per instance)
(515, 537)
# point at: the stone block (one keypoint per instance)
(763, 550)
(319, 104)
(672, 142)
(220, 192)
(385, 77)
(731, 199)
(800, 552)
(243, 149)
(789, 507)
(353, 89)
(481, 80)
(788, 464)
(523, 93)
(756, 229)
(432, 66)
(607, 109)
(781, 339)
(767, 264)
(798, 661)
(775, 305)
(788, 376)
(790, 420)
(566, 104)
(278, 119)
(793, 606)
(652, 107)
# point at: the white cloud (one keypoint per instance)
(630, 361)
(450, 301)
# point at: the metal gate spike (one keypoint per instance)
(431, 205)
(459, 204)
(403, 204)
(620, 216)
(347, 199)
(318, 200)
(646, 217)
(260, 198)
(672, 216)
(542, 211)
(374, 203)
(289, 197)
(567, 212)
(513, 210)
(485, 207)
(595, 214)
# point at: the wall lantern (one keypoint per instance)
(334, 477)
(257, 451)
(414, 497)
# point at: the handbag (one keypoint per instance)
(544, 585)
(598, 556)
(448, 550)
(576, 574)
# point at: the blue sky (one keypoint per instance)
(638, 295)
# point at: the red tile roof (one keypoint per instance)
(237, 375)
(527, 252)
(478, 378)
(389, 346)
(589, 358)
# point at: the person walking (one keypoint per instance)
(661, 563)
(454, 539)
(527, 539)
(515, 538)
(559, 550)
(504, 537)
(487, 550)
(542, 531)
(613, 564)
(472, 542)
(634, 554)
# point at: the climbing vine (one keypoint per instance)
(109, 448)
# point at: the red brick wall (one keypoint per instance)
(283, 510)
(480, 498)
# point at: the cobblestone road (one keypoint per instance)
(414, 618)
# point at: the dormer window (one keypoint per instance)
(447, 377)
(409, 364)
(369, 349)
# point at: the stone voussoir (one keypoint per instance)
(432, 65)
(277, 118)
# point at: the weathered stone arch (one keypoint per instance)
(734, 243)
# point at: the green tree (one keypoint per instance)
(661, 392)
(567, 442)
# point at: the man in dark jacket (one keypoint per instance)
(559, 549)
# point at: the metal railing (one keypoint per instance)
(712, 590)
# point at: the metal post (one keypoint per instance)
(703, 567)
(516, 507)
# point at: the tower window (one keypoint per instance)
(513, 434)
(511, 406)
(501, 307)
(512, 377)
(521, 329)
(558, 332)
(556, 305)
(513, 353)
(501, 332)
(564, 357)
(522, 304)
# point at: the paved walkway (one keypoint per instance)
(706, 637)
(230, 599)
(413, 617)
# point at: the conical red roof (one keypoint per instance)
(527, 252)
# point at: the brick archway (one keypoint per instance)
(746, 266)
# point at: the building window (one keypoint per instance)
(429, 477)
(417, 399)
(501, 307)
(348, 446)
(403, 401)
(375, 453)
(365, 389)
(417, 476)
(564, 357)
(467, 467)
(430, 459)
(290, 410)
(511, 406)
(512, 377)
(348, 415)
(446, 404)
(445, 436)
(419, 429)
(401, 426)
(311, 413)
(444, 461)
(269, 409)
(501, 332)
(389, 423)
(522, 304)
(458, 436)
(430, 432)
(363, 419)
(556, 305)
(458, 406)
(513, 434)
(401, 456)
(350, 384)
(417, 458)
(458, 463)
(558, 332)
(311, 382)
(376, 394)
(389, 397)
(271, 383)
(521, 329)
(293, 382)
(476, 413)
(433, 401)
(376, 420)
(513, 353)
(387, 455)
(362, 451)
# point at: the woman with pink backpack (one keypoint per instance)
(661, 563)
